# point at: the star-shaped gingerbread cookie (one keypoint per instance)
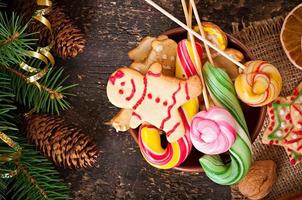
(285, 124)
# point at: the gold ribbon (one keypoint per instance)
(42, 53)
(10, 157)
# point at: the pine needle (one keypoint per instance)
(14, 41)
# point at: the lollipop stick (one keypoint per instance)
(160, 9)
(189, 23)
(196, 56)
(184, 7)
(190, 16)
(193, 5)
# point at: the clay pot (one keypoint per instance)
(254, 115)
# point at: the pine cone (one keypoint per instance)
(68, 39)
(65, 145)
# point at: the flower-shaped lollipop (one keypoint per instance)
(213, 131)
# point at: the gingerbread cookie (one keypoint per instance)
(294, 157)
(121, 121)
(280, 122)
(150, 103)
(140, 53)
(287, 129)
(150, 50)
(285, 125)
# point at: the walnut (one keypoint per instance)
(259, 181)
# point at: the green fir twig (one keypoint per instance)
(14, 41)
(50, 98)
(37, 177)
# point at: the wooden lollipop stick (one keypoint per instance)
(177, 21)
(189, 24)
(196, 56)
(192, 3)
(190, 16)
(185, 8)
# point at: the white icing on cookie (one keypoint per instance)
(282, 124)
(297, 113)
(279, 133)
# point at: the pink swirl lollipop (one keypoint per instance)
(213, 131)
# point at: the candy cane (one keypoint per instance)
(149, 136)
(223, 94)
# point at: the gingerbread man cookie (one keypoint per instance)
(154, 98)
(150, 50)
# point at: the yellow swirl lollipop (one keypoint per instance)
(259, 84)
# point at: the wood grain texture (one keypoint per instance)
(112, 27)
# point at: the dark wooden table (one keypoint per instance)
(112, 27)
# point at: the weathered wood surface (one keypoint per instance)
(112, 27)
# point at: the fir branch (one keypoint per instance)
(10, 39)
(33, 181)
(3, 188)
(6, 98)
(2, 4)
(52, 96)
(14, 41)
(37, 177)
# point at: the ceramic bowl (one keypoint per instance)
(254, 115)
